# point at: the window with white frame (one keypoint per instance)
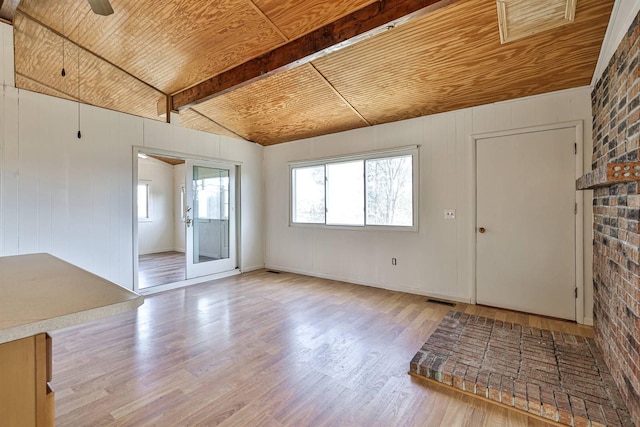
(143, 201)
(367, 190)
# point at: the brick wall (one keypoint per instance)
(616, 128)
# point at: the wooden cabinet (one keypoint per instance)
(26, 399)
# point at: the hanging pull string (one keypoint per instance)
(64, 73)
(78, 50)
(79, 133)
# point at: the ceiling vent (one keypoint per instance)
(522, 18)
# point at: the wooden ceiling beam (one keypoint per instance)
(8, 9)
(360, 25)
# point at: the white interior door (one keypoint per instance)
(525, 240)
(210, 212)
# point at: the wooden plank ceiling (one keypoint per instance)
(448, 59)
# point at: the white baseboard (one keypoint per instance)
(252, 268)
(155, 251)
(398, 288)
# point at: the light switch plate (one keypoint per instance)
(449, 214)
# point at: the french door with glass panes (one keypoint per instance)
(210, 218)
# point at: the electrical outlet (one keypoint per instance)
(393, 261)
(449, 214)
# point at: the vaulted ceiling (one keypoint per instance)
(137, 59)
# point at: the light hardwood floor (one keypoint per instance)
(264, 349)
(161, 268)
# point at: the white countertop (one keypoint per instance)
(41, 293)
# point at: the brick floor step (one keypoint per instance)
(557, 376)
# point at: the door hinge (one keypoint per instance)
(575, 148)
(575, 209)
(575, 292)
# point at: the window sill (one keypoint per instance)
(364, 228)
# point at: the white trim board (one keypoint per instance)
(622, 15)
(405, 289)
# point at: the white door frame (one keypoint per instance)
(135, 250)
(579, 217)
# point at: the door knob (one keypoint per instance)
(482, 229)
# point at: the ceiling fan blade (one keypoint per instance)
(101, 7)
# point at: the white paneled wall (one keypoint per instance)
(7, 76)
(437, 260)
(9, 162)
(73, 197)
(622, 16)
(156, 234)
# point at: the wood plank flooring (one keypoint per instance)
(270, 350)
(161, 268)
(164, 267)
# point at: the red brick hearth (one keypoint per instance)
(553, 375)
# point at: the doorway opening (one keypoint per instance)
(185, 217)
(160, 218)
